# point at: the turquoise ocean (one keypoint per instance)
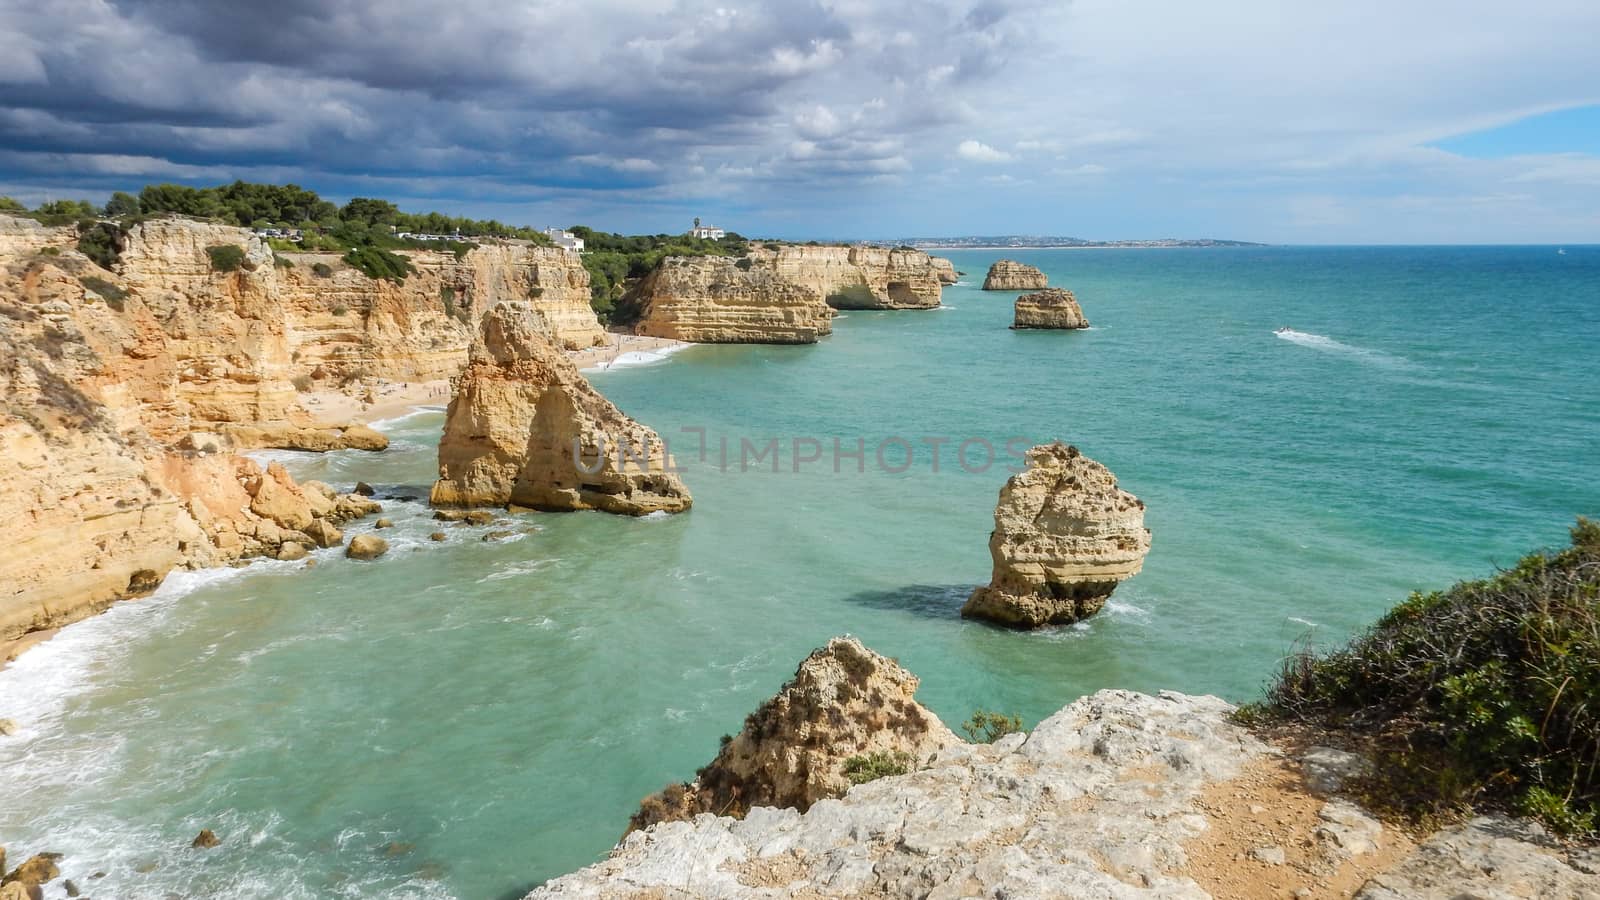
(469, 718)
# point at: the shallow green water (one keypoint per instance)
(496, 710)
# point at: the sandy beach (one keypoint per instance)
(395, 398)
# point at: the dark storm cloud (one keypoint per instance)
(609, 94)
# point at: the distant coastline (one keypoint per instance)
(1021, 242)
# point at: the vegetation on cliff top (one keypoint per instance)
(613, 260)
(362, 223)
(1487, 691)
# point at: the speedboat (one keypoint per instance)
(1282, 329)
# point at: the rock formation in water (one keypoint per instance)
(776, 295)
(945, 270)
(1049, 308)
(525, 428)
(1064, 537)
(1010, 275)
(858, 277)
(844, 701)
(718, 300)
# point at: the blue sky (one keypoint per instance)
(1573, 130)
(1361, 121)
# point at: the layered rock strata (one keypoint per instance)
(1065, 535)
(858, 277)
(1049, 308)
(717, 300)
(1010, 275)
(525, 428)
(123, 393)
(777, 295)
(945, 270)
(844, 701)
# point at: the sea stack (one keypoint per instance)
(525, 428)
(1010, 275)
(946, 270)
(844, 701)
(718, 300)
(1064, 537)
(1049, 308)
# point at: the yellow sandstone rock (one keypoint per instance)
(1064, 537)
(526, 428)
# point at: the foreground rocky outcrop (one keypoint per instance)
(1010, 275)
(1117, 795)
(1049, 308)
(1065, 535)
(844, 702)
(718, 300)
(525, 428)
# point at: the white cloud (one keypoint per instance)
(978, 151)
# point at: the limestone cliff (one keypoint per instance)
(945, 270)
(1049, 308)
(101, 500)
(125, 390)
(1010, 275)
(241, 340)
(712, 299)
(844, 701)
(858, 277)
(526, 428)
(1064, 537)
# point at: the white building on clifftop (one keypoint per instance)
(564, 239)
(706, 232)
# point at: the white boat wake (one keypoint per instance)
(1328, 345)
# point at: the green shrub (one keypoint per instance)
(1486, 691)
(745, 263)
(875, 765)
(101, 242)
(322, 270)
(340, 310)
(50, 251)
(447, 296)
(302, 383)
(535, 292)
(225, 257)
(282, 262)
(986, 727)
(379, 263)
(113, 294)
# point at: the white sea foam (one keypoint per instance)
(1124, 608)
(1328, 345)
(385, 424)
(517, 570)
(57, 670)
(636, 358)
(265, 458)
(1306, 622)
